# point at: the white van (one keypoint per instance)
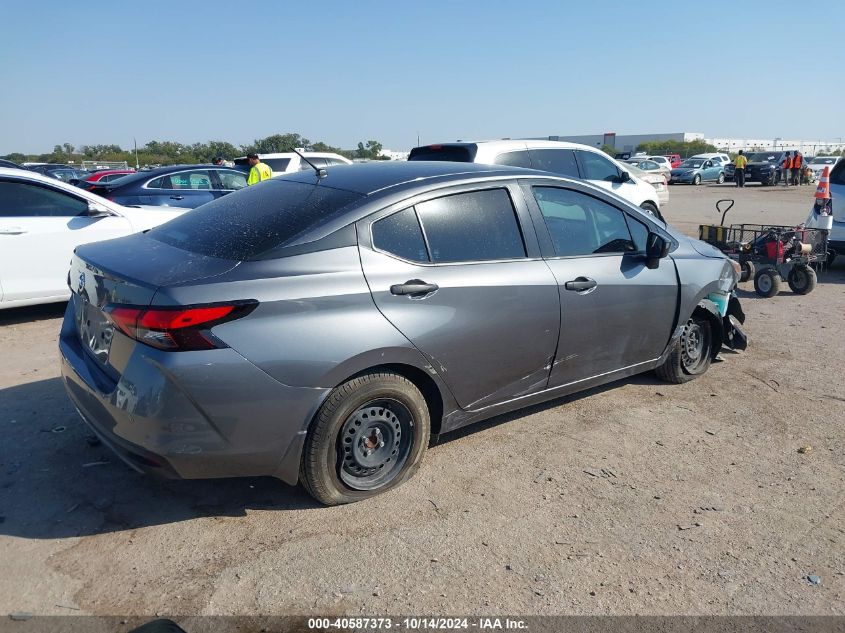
(286, 162)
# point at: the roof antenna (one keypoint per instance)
(321, 173)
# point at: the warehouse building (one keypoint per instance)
(629, 142)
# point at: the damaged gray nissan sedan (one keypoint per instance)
(322, 327)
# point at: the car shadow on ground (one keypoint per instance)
(28, 314)
(54, 483)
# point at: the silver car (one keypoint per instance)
(321, 328)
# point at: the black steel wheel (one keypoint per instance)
(767, 282)
(369, 436)
(747, 271)
(691, 354)
(801, 279)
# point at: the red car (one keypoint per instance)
(674, 159)
(106, 175)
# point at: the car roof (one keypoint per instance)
(376, 176)
(160, 171)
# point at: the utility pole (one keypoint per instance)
(137, 166)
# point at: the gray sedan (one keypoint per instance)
(321, 328)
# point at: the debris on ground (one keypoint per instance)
(20, 616)
(805, 449)
(58, 429)
(814, 580)
(688, 527)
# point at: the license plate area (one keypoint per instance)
(95, 330)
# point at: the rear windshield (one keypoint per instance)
(252, 221)
(454, 153)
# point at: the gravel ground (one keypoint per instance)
(635, 498)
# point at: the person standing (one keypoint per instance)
(739, 169)
(258, 171)
(797, 166)
(786, 171)
(218, 162)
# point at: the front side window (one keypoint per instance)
(582, 225)
(232, 180)
(597, 167)
(400, 235)
(473, 226)
(19, 199)
(557, 161)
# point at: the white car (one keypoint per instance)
(286, 162)
(836, 239)
(42, 220)
(656, 179)
(820, 162)
(568, 159)
(722, 158)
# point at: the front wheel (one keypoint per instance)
(696, 179)
(767, 282)
(801, 279)
(691, 354)
(648, 207)
(369, 436)
(747, 271)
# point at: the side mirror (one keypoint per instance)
(97, 210)
(624, 176)
(656, 248)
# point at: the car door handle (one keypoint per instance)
(413, 287)
(580, 284)
(12, 230)
(177, 197)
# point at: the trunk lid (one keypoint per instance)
(126, 271)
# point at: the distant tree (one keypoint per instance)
(372, 150)
(609, 150)
(69, 149)
(684, 148)
(16, 157)
(276, 143)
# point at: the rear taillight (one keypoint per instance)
(181, 328)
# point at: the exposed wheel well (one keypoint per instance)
(715, 327)
(423, 382)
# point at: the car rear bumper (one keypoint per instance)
(190, 414)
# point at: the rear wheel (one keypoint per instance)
(691, 354)
(368, 437)
(748, 271)
(721, 179)
(767, 282)
(801, 279)
(696, 180)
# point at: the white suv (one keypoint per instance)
(286, 162)
(722, 158)
(567, 159)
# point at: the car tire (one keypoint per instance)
(649, 207)
(696, 180)
(831, 257)
(747, 271)
(691, 354)
(767, 282)
(369, 436)
(802, 279)
(721, 179)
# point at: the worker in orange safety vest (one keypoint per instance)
(786, 168)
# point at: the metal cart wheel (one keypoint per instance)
(747, 271)
(801, 279)
(767, 282)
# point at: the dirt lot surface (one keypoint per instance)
(639, 497)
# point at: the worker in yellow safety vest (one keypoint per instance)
(740, 163)
(258, 171)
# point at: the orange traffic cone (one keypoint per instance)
(823, 190)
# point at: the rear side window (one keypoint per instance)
(514, 159)
(582, 225)
(474, 226)
(456, 153)
(837, 176)
(597, 167)
(247, 223)
(557, 161)
(400, 235)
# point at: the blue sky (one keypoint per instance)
(104, 72)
